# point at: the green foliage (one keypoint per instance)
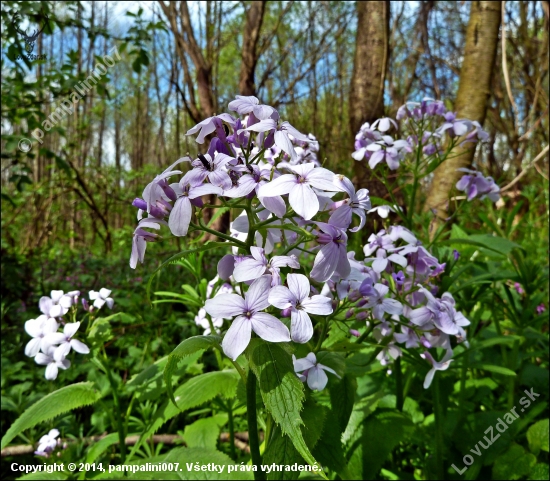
(282, 392)
(58, 402)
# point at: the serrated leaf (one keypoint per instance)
(185, 348)
(281, 452)
(194, 392)
(52, 405)
(282, 392)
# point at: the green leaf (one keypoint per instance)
(537, 435)
(52, 405)
(100, 332)
(539, 472)
(377, 438)
(281, 452)
(204, 433)
(496, 369)
(196, 391)
(282, 392)
(342, 398)
(99, 447)
(493, 243)
(44, 476)
(185, 348)
(175, 258)
(514, 463)
(493, 341)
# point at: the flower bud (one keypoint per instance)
(286, 312)
(349, 313)
(362, 316)
(354, 332)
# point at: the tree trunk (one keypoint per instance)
(369, 74)
(474, 89)
(254, 19)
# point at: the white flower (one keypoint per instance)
(101, 298)
(65, 342)
(39, 329)
(55, 306)
(313, 371)
(47, 443)
(52, 366)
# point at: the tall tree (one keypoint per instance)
(474, 90)
(250, 52)
(369, 74)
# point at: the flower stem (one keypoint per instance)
(440, 471)
(231, 429)
(253, 426)
(116, 402)
(398, 385)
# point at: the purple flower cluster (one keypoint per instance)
(292, 232)
(476, 185)
(374, 145)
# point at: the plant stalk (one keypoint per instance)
(252, 416)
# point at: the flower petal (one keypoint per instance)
(280, 186)
(320, 305)
(317, 378)
(281, 297)
(258, 293)
(79, 346)
(51, 371)
(299, 286)
(237, 337)
(301, 328)
(70, 329)
(269, 328)
(304, 201)
(225, 305)
(32, 347)
(180, 217)
(248, 269)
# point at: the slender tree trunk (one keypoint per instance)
(474, 90)
(254, 19)
(369, 73)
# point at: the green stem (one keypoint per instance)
(440, 471)
(231, 429)
(201, 226)
(119, 416)
(252, 416)
(398, 385)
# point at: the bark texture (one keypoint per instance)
(369, 74)
(474, 90)
(250, 54)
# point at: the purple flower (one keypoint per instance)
(388, 354)
(541, 308)
(155, 190)
(332, 257)
(407, 336)
(141, 237)
(206, 168)
(390, 155)
(381, 304)
(246, 104)
(456, 255)
(282, 136)
(357, 204)
(180, 216)
(384, 124)
(378, 241)
(296, 298)
(442, 365)
(209, 125)
(249, 317)
(475, 184)
(299, 185)
(453, 126)
(518, 288)
(250, 269)
(312, 371)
